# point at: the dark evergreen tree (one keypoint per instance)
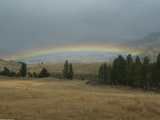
(66, 69)
(114, 72)
(109, 68)
(43, 73)
(129, 70)
(145, 73)
(154, 74)
(121, 70)
(136, 72)
(34, 74)
(70, 73)
(23, 70)
(141, 74)
(105, 73)
(100, 74)
(6, 72)
(12, 73)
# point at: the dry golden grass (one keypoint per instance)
(13, 66)
(53, 99)
(78, 68)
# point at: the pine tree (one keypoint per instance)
(66, 69)
(154, 74)
(6, 72)
(12, 73)
(121, 70)
(129, 69)
(70, 73)
(100, 74)
(23, 70)
(34, 74)
(43, 73)
(109, 68)
(145, 72)
(105, 73)
(136, 72)
(114, 72)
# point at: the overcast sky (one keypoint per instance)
(25, 24)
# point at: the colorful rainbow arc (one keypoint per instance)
(75, 48)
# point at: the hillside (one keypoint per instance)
(80, 69)
(52, 68)
(153, 37)
(149, 45)
(97, 39)
(80, 56)
(11, 65)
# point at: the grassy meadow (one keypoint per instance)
(55, 69)
(54, 99)
(79, 68)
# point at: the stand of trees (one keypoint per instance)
(23, 69)
(22, 72)
(68, 70)
(7, 72)
(43, 73)
(131, 73)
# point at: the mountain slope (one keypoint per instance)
(149, 45)
(11, 65)
(97, 39)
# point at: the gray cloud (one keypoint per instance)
(25, 24)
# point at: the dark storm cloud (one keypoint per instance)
(25, 24)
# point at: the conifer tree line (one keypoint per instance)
(7, 72)
(68, 70)
(23, 72)
(128, 72)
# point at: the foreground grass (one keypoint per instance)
(53, 99)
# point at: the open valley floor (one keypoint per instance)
(54, 99)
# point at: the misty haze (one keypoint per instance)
(80, 59)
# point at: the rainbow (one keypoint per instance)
(74, 48)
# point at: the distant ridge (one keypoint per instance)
(149, 45)
(97, 39)
(153, 37)
(12, 65)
